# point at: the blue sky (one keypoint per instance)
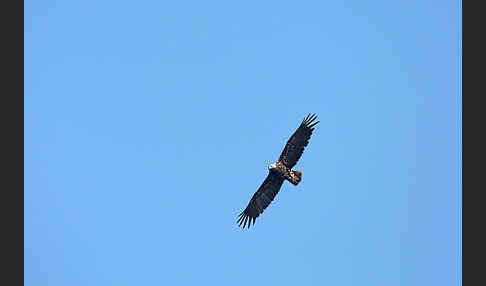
(150, 124)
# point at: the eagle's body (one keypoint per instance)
(279, 172)
(286, 173)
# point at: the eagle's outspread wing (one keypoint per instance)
(298, 141)
(261, 199)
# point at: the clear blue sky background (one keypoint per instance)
(150, 124)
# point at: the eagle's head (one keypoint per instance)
(272, 166)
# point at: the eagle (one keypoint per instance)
(279, 172)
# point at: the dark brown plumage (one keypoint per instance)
(279, 172)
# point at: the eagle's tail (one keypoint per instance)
(295, 177)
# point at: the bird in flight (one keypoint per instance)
(279, 171)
